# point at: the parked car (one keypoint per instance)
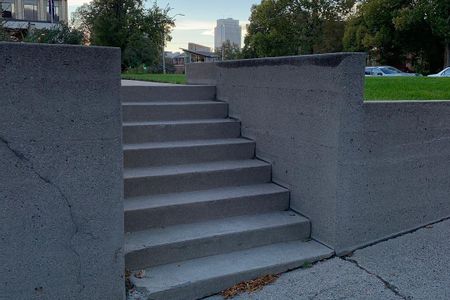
(443, 73)
(387, 71)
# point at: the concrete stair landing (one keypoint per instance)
(201, 212)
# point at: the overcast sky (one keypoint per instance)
(197, 24)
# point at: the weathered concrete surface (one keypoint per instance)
(291, 107)
(332, 279)
(411, 266)
(416, 265)
(393, 169)
(201, 73)
(360, 171)
(61, 188)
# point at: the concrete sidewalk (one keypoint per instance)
(144, 83)
(412, 266)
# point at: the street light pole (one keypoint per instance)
(164, 45)
(164, 54)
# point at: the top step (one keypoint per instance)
(168, 93)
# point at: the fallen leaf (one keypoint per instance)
(249, 286)
(140, 274)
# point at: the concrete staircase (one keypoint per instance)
(201, 212)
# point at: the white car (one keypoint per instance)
(443, 73)
(387, 71)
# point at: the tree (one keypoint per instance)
(229, 51)
(291, 27)
(58, 34)
(435, 14)
(398, 31)
(3, 35)
(140, 33)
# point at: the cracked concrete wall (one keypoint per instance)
(361, 172)
(61, 190)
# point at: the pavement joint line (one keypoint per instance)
(386, 283)
(350, 253)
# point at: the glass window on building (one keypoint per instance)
(7, 9)
(30, 10)
(58, 10)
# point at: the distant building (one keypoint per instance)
(227, 30)
(30, 14)
(198, 53)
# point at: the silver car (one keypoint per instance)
(387, 71)
(443, 73)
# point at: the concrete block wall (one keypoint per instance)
(342, 159)
(61, 192)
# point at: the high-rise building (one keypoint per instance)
(33, 13)
(227, 30)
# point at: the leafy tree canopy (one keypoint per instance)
(394, 31)
(291, 27)
(58, 34)
(229, 51)
(140, 33)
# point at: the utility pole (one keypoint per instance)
(163, 55)
(222, 40)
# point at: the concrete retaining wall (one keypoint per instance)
(61, 206)
(360, 172)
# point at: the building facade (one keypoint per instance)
(33, 13)
(227, 30)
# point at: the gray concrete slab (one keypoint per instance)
(144, 83)
(361, 172)
(416, 265)
(411, 266)
(332, 279)
(61, 185)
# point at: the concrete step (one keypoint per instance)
(158, 246)
(192, 177)
(167, 93)
(165, 210)
(165, 131)
(183, 152)
(186, 110)
(197, 278)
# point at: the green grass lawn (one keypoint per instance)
(168, 78)
(407, 88)
(376, 88)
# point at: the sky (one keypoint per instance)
(197, 24)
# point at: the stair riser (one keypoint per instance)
(187, 155)
(169, 253)
(167, 93)
(152, 185)
(141, 113)
(137, 220)
(180, 132)
(200, 289)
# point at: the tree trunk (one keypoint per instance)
(447, 55)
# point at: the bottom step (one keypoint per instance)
(197, 278)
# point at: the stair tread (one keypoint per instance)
(222, 271)
(178, 233)
(187, 143)
(148, 202)
(167, 103)
(193, 168)
(180, 122)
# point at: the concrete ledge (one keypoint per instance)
(360, 171)
(201, 73)
(61, 173)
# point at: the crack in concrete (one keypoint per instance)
(22, 157)
(386, 283)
